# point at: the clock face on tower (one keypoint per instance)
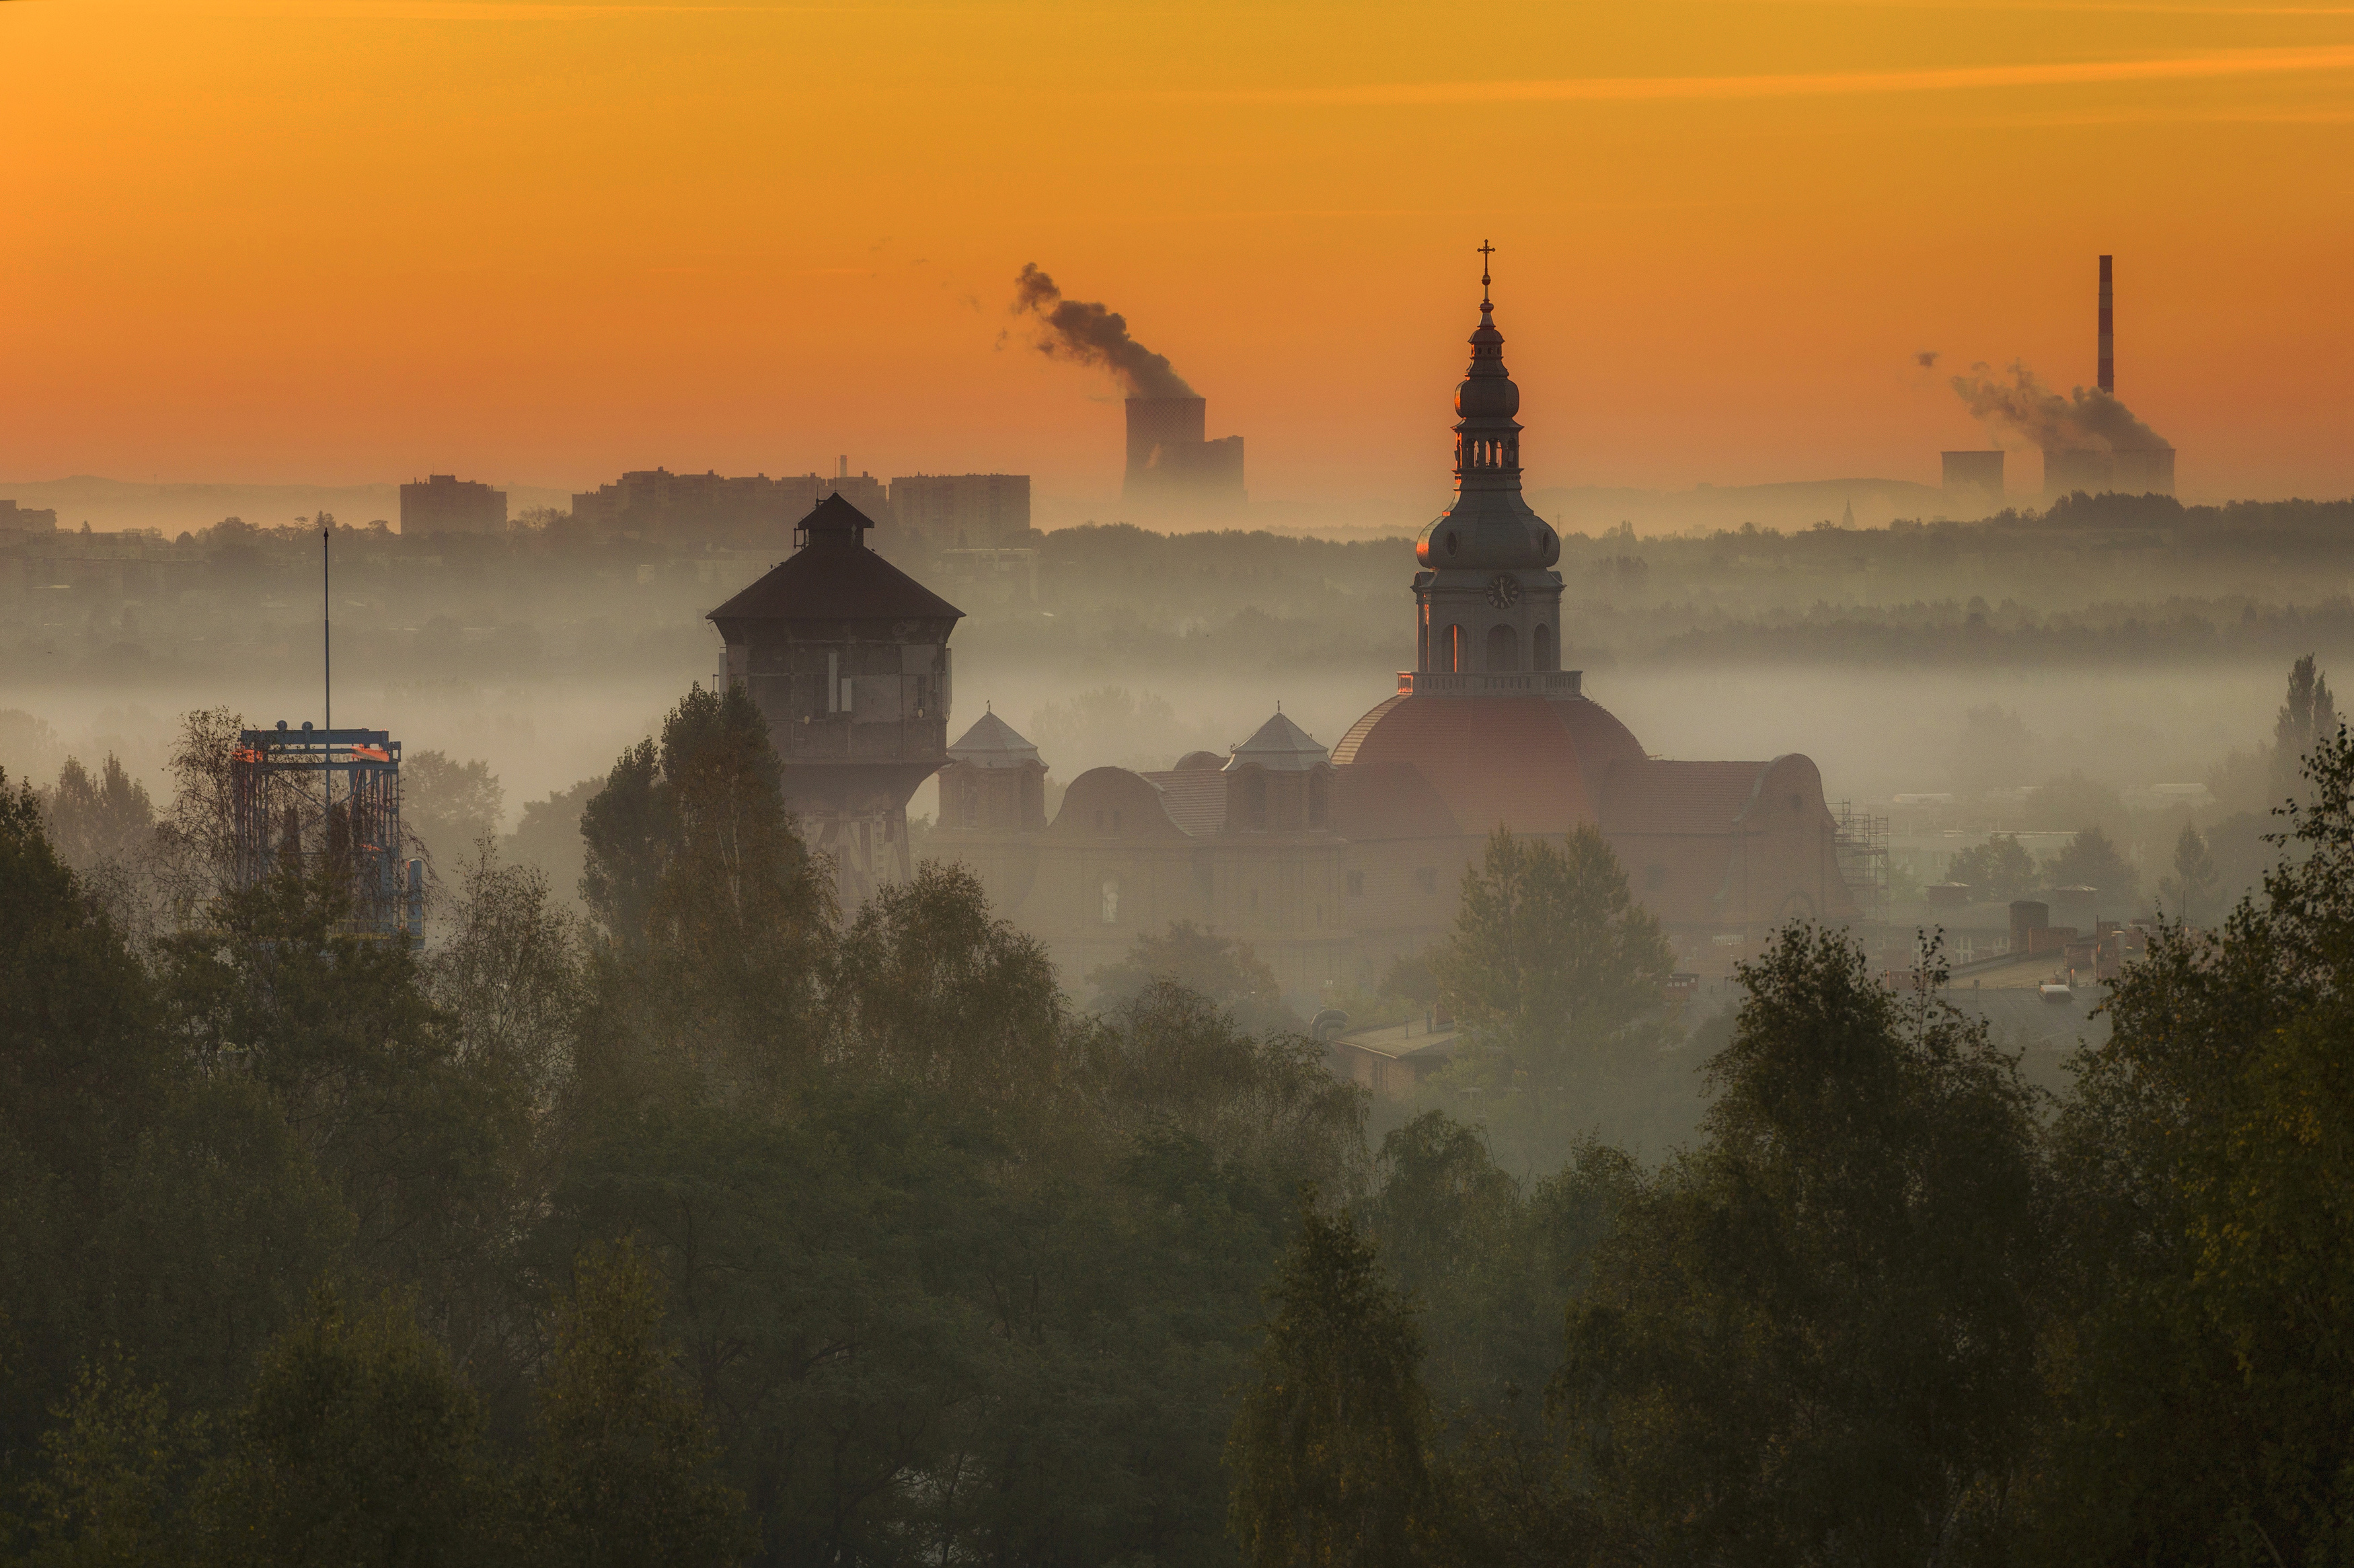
(1503, 590)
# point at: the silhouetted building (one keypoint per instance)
(2066, 471)
(963, 511)
(847, 658)
(15, 519)
(445, 504)
(1975, 478)
(1173, 468)
(1332, 865)
(710, 508)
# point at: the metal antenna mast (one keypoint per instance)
(326, 629)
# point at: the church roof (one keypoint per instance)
(1195, 798)
(1447, 765)
(835, 577)
(1679, 797)
(1281, 746)
(993, 743)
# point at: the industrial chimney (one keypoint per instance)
(2108, 341)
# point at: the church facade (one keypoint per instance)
(1332, 863)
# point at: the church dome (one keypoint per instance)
(1417, 766)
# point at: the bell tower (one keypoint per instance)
(1488, 602)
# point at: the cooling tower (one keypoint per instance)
(2073, 469)
(1973, 478)
(1172, 473)
(1159, 425)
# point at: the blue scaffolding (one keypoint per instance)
(331, 793)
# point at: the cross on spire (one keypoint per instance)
(1486, 250)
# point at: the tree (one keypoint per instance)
(2185, 894)
(1331, 1451)
(1996, 749)
(1169, 1060)
(1222, 969)
(2307, 719)
(359, 1446)
(449, 805)
(1999, 869)
(111, 1464)
(717, 919)
(2090, 860)
(620, 1470)
(1551, 963)
(930, 990)
(94, 821)
(1812, 1341)
(2203, 1389)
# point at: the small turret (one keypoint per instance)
(995, 781)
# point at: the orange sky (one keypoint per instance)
(348, 240)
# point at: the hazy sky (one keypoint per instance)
(344, 240)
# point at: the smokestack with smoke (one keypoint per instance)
(2023, 412)
(1091, 334)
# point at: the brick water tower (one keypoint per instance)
(847, 658)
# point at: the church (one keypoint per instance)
(1334, 863)
(1330, 862)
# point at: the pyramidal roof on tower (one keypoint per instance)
(1281, 746)
(836, 577)
(993, 743)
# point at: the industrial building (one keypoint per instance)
(444, 504)
(2144, 467)
(1332, 861)
(328, 797)
(1974, 480)
(1174, 471)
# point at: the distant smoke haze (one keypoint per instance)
(1091, 334)
(2028, 413)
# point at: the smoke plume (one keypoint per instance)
(1090, 334)
(2034, 415)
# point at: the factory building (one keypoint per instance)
(1973, 480)
(1334, 861)
(1174, 469)
(2146, 468)
(444, 504)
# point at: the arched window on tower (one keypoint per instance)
(1548, 656)
(1457, 656)
(1503, 649)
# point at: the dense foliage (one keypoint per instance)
(724, 1226)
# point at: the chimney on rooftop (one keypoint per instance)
(2108, 344)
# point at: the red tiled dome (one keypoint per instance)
(1534, 766)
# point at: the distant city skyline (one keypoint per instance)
(359, 242)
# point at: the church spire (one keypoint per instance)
(1489, 525)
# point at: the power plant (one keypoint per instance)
(2123, 455)
(1173, 467)
(1974, 478)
